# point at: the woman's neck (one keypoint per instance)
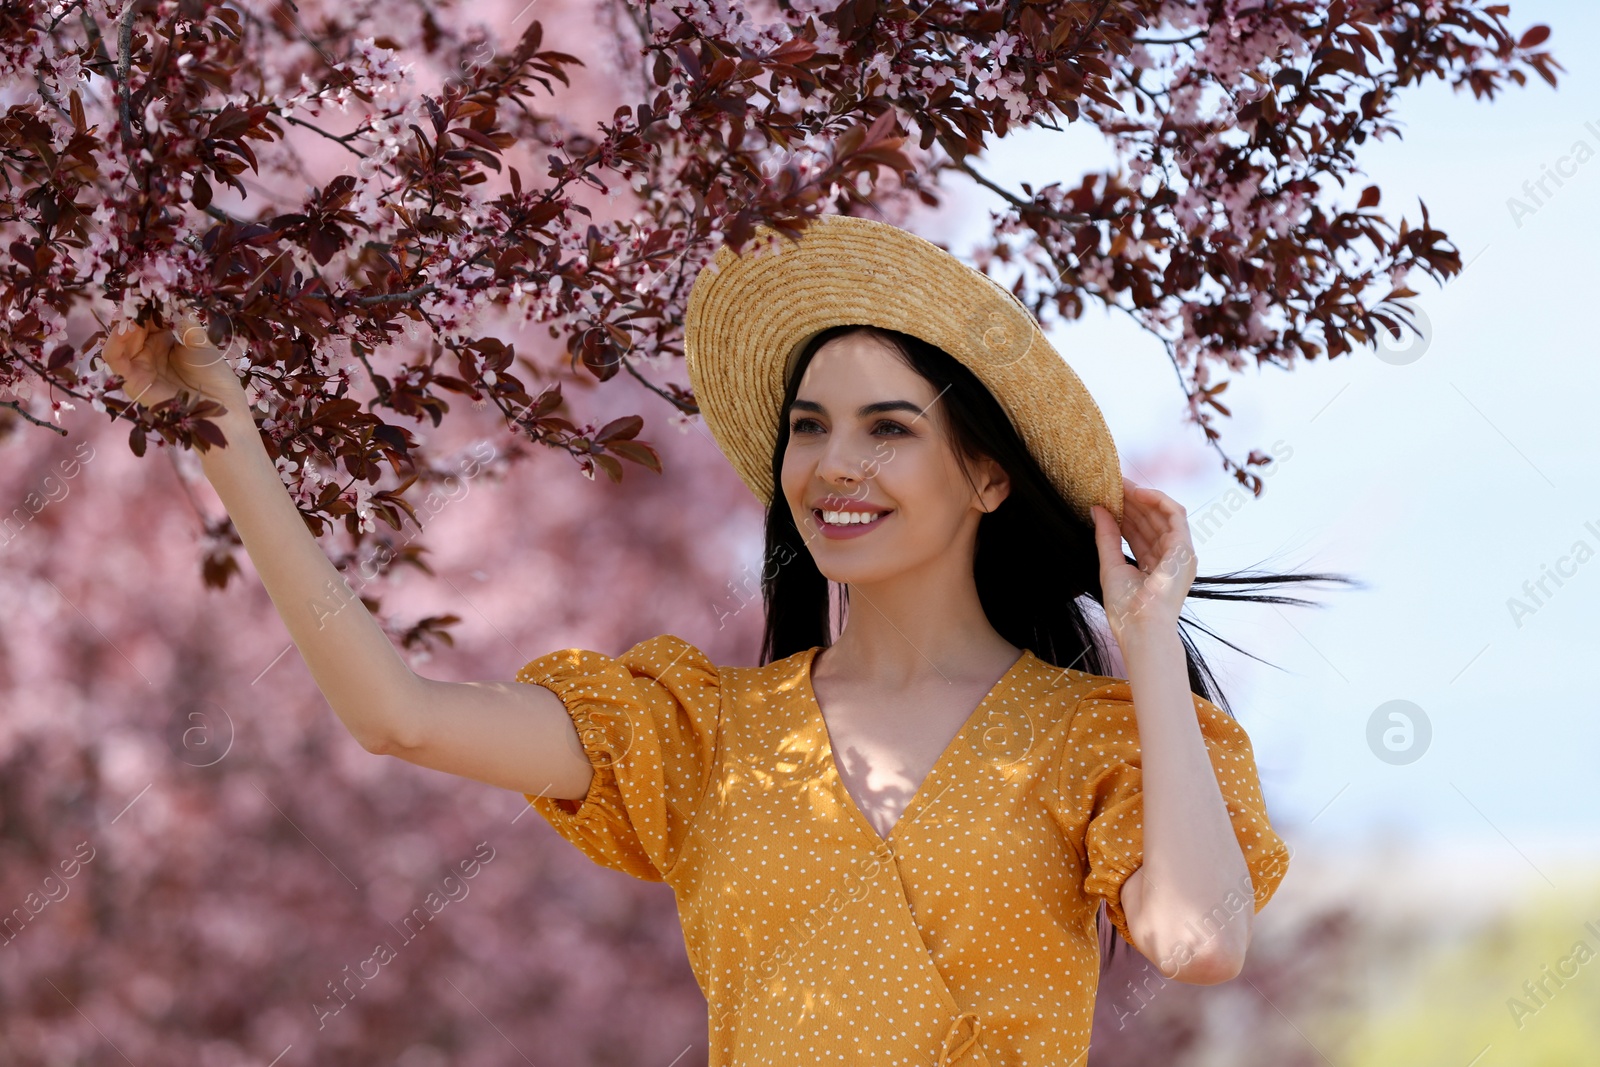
(900, 632)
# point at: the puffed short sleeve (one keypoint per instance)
(1100, 787)
(648, 723)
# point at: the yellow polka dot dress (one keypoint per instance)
(966, 937)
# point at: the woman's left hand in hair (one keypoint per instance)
(1151, 594)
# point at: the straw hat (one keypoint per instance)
(750, 315)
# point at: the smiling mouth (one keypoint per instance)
(852, 518)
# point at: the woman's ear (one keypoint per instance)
(994, 484)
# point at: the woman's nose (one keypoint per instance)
(843, 461)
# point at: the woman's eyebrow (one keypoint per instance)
(864, 410)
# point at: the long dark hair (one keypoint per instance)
(1035, 559)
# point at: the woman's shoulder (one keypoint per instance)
(1044, 681)
(782, 675)
(666, 651)
(662, 657)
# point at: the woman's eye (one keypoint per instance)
(806, 426)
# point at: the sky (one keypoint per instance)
(1443, 478)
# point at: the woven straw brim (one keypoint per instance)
(750, 314)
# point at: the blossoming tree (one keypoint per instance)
(388, 211)
(373, 203)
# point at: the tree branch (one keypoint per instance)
(1016, 201)
(124, 65)
(692, 409)
(18, 408)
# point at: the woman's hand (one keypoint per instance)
(156, 364)
(1152, 593)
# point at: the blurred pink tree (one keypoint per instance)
(246, 852)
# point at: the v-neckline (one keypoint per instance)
(831, 765)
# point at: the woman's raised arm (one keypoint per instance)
(508, 734)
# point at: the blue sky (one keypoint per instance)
(1444, 481)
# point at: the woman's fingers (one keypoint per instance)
(190, 333)
(1108, 539)
(1156, 529)
(154, 363)
(123, 337)
(1153, 515)
(1154, 524)
(157, 348)
(1142, 533)
(141, 355)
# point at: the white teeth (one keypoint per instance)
(848, 518)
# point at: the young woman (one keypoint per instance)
(890, 845)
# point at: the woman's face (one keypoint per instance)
(868, 438)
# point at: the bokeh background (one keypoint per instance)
(1427, 743)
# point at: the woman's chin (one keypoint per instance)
(857, 571)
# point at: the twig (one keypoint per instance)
(394, 298)
(124, 65)
(1213, 437)
(1087, 30)
(1026, 205)
(343, 142)
(222, 216)
(1195, 36)
(17, 407)
(690, 409)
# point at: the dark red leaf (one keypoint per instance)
(628, 426)
(637, 452)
